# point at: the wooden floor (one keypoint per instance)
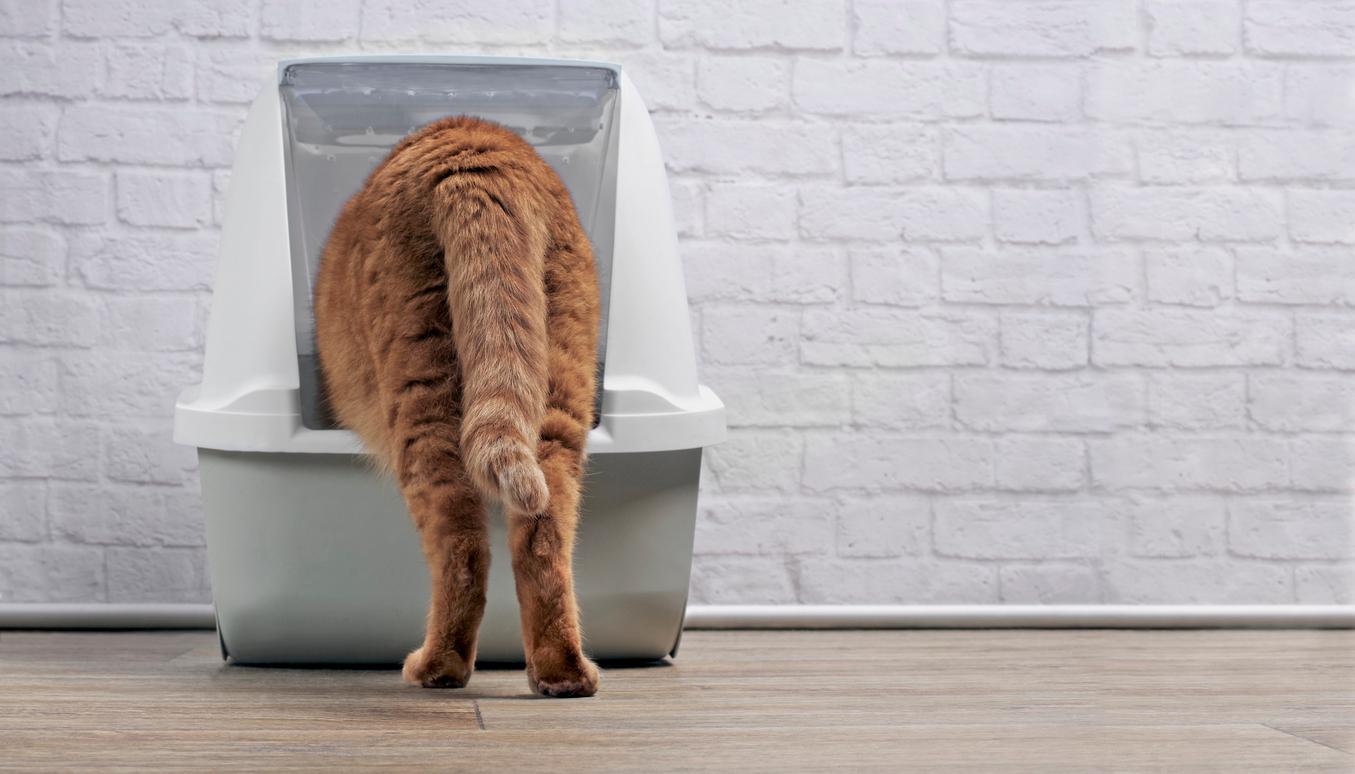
(1223, 701)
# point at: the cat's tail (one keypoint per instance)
(494, 241)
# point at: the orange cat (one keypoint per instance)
(456, 316)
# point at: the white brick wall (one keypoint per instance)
(1011, 301)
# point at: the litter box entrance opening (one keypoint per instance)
(342, 118)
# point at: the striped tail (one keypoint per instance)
(494, 242)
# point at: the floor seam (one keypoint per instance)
(1309, 739)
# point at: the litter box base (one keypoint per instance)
(314, 560)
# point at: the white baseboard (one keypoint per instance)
(167, 616)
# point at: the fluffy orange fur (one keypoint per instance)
(456, 316)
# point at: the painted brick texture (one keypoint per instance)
(1010, 300)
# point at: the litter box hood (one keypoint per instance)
(307, 145)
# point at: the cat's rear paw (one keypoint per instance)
(575, 679)
(439, 670)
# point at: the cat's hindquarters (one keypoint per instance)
(494, 240)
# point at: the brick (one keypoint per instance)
(1185, 157)
(665, 80)
(1322, 464)
(1031, 153)
(743, 84)
(53, 195)
(1146, 461)
(1038, 217)
(48, 448)
(882, 27)
(1192, 581)
(882, 581)
(310, 20)
(1184, 93)
(23, 512)
(138, 71)
(893, 401)
(1192, 402)
(880, 462)
(910, 276)
(1325, 340)
(1311, 275)
(146, 455)
(888, 153)
(143, 262)
(122, 515)
(740, 211)
(51, 573)
(1282, 27)
(1191, 276)
(1292, 402)
(1021, 528)
(1177, 28)
(509, 22)
(689, 204)
(47, 318)
(1177, 527)
(168, 199)
(808, 275)
(1051, 341)
(1296, 155)
(1049, 583)
(780, 399)
(1325, 584)
(231, 77)
(69, 71)
(880, 527)
(750, 335)
(110, 384)
(1316, 94)
(28, 131)
(886, 337)
(720, 271)
(157, 575)
(220, 183)
(931, 214)
(741, 579)
(1189, 338)
(28, 383)
(757, 460)
(735, 147)
(859, 88)
(752, 526)
(810, 25)
(1066, 403)
(1322, 216)
(1032, 464)
(1183, 214)
(147, 135)
(152, 18)
(1286, 529)
(27, 18)
(34, 257)
(1051, 28)
(610, 22)
(1039, 276)
(164, 324)
(1035, 92)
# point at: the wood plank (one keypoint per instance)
(752, 701)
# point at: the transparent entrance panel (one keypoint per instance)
(342, 118)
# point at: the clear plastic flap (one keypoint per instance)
(342, 118)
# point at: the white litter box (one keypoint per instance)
(313, 557)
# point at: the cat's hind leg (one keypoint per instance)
(542, 545)
(450, 517)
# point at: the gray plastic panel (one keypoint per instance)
(313, 559)
(342, 118)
